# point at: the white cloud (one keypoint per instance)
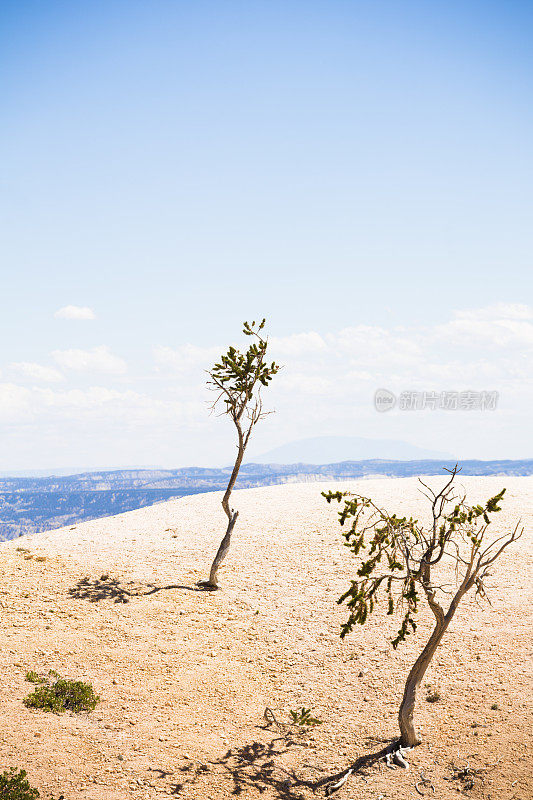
(299, 344)
(302, 384)
(98, 359)
(37, 372)
(372, 347)
(75, 312)
(15, 403)
(94, 405)
(91, 398)
(185, 357)
(326, 386)
(335, 382)
(343, 367)
(498, 311)
(486, 332)
(501, 325)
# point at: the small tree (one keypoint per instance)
(238, 379)
(404, 561)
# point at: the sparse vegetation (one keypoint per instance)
(495, 707)
(33, 677)
(469, 777)
(29, 556)
(303, 718)
(60, 695)
(14, 786)
(238, 379)
(433, 697)
(401, 562)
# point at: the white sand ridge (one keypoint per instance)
(185, 675)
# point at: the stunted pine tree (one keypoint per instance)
(408, 563)
(238, 379)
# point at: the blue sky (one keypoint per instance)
(178, 167)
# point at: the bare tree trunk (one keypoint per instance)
(222, 551)
(231, 513)
(234, 475)
(409, 737)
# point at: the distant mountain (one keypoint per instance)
(32, 504)
(333, 449)
(31, 511)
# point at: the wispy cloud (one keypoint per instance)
(326, 387)
(184, 358)
(501, 325)
(75, 312)
(497, 311)
(15, 403)
(94, 404)
(299, 344)
(37, 372)
(97, 359)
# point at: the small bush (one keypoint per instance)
(303, 717)
(33, 677)
(495, 707)
(433, 697)
(61, 695)
(14, 786)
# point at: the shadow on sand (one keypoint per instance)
(107, 588)
(254, 766)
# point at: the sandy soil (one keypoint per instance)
(185, 676)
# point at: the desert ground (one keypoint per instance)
(185, 676)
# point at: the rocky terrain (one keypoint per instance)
(185, 676)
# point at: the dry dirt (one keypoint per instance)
(185, 676)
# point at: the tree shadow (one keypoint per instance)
(251, 766)
(254, 766)
(107, 588)
(160, 773)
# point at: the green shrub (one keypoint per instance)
(303, 717)
(14, 786)
(33, 677)
(61, 695)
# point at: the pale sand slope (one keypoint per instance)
(184, 675)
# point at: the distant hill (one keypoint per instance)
(32, 504)
(333, 449)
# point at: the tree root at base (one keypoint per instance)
(393, 756)
(207, 587)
